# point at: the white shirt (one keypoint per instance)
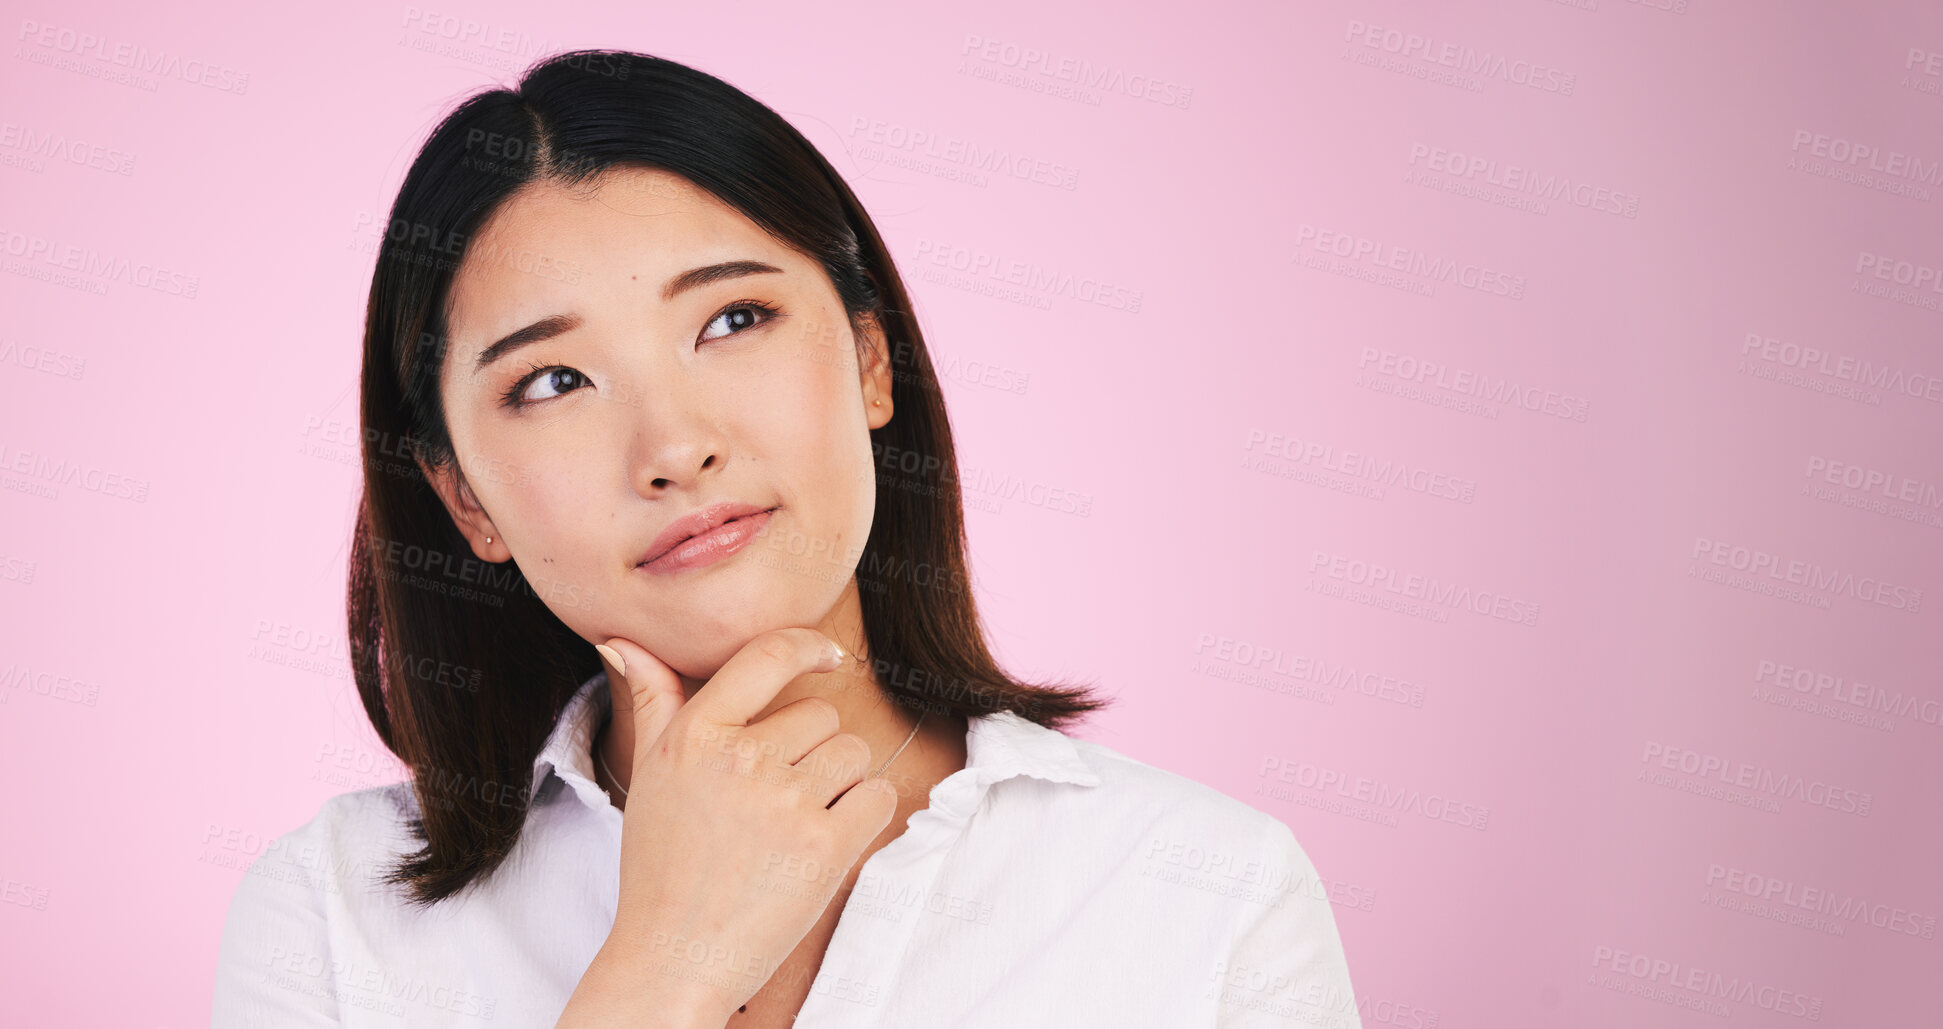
(1051, 882)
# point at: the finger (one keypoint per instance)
(791, 731)
(654, 691)
(865, 809)
(749, 680)
(836, 764)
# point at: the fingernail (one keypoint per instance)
(612, 655)
(837, 648)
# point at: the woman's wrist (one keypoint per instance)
(621, 987)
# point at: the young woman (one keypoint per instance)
(661, 499)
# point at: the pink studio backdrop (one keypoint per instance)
(1499, 440)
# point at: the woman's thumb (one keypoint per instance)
(654, 690)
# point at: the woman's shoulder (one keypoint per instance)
(1175, 797)
(276, 933)
(1110, 788)
(350, 835)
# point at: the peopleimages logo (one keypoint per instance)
(1875, 480)
(1835, 905)
(1359, 251)
(96, 265)
(1757, 779)
(1341, 675)
(1696, 988)
(1358, 465)
(59, 146)
(1459, 58)
(1892, 163)
(1078, 71)
(1373, 576)
(1028, 275)
(1497, 389)
(1369, 799)
(968, 153)
(1898, 271)
(1852, 693)
(1806, 575)
(1525, 181)
(1843, 368)
(81, 44)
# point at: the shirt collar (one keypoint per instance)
(999, 746)
(569, 749)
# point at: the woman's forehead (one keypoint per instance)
(647, 224)
(555, 247)
(627, 202)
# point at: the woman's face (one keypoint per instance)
(650, 391)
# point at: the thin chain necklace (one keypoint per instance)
(602, 758)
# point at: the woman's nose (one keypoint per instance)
(675, 437)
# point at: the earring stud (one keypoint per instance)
(489, 539)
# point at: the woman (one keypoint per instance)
(661, 499)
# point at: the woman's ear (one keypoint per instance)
(472, 520)
(875, 371)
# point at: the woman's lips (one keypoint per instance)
(696, 522)
(711, 546)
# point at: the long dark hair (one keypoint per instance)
(462, 666)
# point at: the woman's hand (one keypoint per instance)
(735, 836)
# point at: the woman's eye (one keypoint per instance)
(543, 383)
(742, 316)
(560, 380)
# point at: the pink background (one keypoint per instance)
(1539, 843)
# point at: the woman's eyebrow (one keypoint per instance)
(553, 325)
(697, 277)
(544, 329)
